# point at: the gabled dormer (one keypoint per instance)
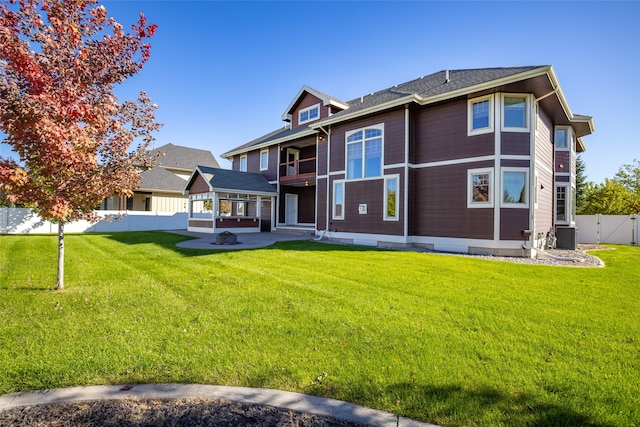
(309, 106)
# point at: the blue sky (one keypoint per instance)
(224, 72)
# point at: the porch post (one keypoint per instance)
(214, 209)
(259, 212)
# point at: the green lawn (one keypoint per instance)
(449, 340)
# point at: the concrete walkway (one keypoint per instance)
(246, 240)
(281, 399)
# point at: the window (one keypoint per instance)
(338, 200)
(364, 153)
(514, 188)
(515, 113)
(480, 113)
(561, 138)
(309, 114)
(240, 209)
(264, 159)
(391, 199)
(480, 188)
(561, 203)
(243, 163)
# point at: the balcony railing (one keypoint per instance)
(299, 170)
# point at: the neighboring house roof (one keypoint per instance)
(232, 181)
(435, 87)
(173, 158)
(160, 179)
(185, 158)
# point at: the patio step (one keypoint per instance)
(296, 231)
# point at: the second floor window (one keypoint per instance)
(264, 159)
(309, 114)
(364, 153)
(243, 163)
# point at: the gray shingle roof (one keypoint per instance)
(426, 86)
(160, 179)
(178, 157)
(432, 85)
(236, 181)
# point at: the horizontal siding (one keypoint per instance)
(440, 204)
(544, 165)
(562, 164)
(515, 143)
(321, 153)
(198, 185)
(321, 191)
(371, 193)
(512, 223)
(440, 133)
(307, 101)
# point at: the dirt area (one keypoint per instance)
(160, 412)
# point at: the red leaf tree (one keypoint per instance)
(77, 144)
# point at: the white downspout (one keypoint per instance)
(406, 174)
(328, 207)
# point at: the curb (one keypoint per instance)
(314, 405)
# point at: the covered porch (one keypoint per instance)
(224, 200)
(217, 212)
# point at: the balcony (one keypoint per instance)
(298, 171)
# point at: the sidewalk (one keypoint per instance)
(280, 399)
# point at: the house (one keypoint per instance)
(161, 186)
(476, 161)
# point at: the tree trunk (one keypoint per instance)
(60, 284)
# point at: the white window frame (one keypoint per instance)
(470, 130)
(265, 166)
(527, 113)
(306, 110)
(567, 203)
(379, 127)
(470, 202)
(333, 204)
(385, 200)
(527, 188)
(570, 139)
(240, 208)
(243, 163)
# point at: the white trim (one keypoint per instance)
(470, 103)
(240, 168)
(567, 203)
(527, 195)
(333, 200)
(527, 113)
(334, 173)
(497, 140)
(454, 162)
(324, 98)
(405, 218)
(385, 196)
(347, 134)
(394, 166)
(307, 110)
(262, 151)
(470, 202)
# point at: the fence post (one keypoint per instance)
(4, 213)
(634, 229)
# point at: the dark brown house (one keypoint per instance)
(479, 161)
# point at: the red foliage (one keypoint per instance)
(59, 63)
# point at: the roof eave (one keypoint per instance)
(308, 132)
(437, 98)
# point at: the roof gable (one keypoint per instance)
(232, 181)
(326, 100)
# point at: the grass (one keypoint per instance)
(449, 340)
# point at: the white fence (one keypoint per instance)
(23, 221)
(614, 229)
